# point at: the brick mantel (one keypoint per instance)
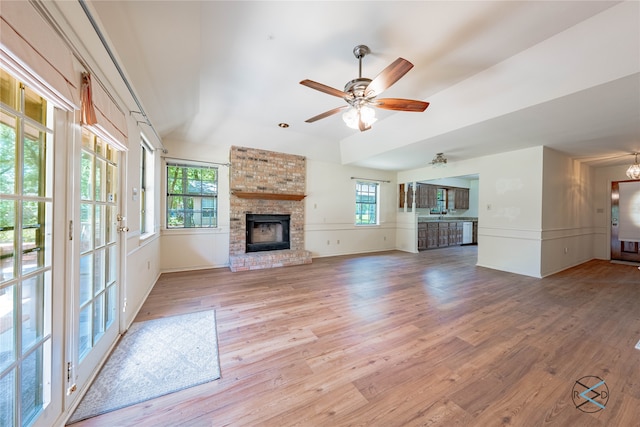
(266, 182)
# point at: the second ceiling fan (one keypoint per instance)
(361, 93)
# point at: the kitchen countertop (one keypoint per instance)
(435, 218)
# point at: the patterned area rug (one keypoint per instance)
(154, 358)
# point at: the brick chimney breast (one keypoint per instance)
(266, 182)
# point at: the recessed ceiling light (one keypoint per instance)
(283, 125)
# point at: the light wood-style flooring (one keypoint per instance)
(399, 339)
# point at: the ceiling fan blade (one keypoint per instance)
(399, 104)
(323, 88)
(326, 114)
(388, 76)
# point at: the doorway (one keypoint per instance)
(623, 247)
(95, 263)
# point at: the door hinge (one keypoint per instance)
(71, 230)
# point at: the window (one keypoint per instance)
(147, 222)
(441, 202)
(366, 203)
(192, 196)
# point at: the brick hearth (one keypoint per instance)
(266, 182)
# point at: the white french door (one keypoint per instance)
(30, 341)
(95, 261)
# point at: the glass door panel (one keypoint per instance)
(26, 213)
(97, 249)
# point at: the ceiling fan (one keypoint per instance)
(360, 94)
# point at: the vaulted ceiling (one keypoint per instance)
(499, 75)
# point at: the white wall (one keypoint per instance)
(407, 231)
(509, 220)
(567, 213)
(330, 211)
(197, 248)
(140, 265)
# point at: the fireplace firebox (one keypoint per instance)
(267, 232)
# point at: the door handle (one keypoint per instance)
(123, 229)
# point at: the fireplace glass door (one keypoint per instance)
(267, 232)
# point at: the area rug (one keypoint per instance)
(154, 358)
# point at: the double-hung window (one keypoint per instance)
(192, 196)
(367, 203)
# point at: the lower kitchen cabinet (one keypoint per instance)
(443, 234)
(439, 234)
(422, 236)
(432, 235)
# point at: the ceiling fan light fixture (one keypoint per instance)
(634, 170)
(353, 116)
(439, 161)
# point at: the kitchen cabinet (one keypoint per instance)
(426, 195)
(455, 233)
(461, 198)
(422, 236)
(432, 235)
(475, 232)
(443, 234)
(430, 196)
(440, 234)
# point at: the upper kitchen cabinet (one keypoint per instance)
(426, 195)
(461, 198)
(435, 197)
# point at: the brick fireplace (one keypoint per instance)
(266, 184)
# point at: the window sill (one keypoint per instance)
(147, 236)
(212, 230)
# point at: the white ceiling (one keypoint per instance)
(500, 76)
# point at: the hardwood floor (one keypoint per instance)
(395, 339)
